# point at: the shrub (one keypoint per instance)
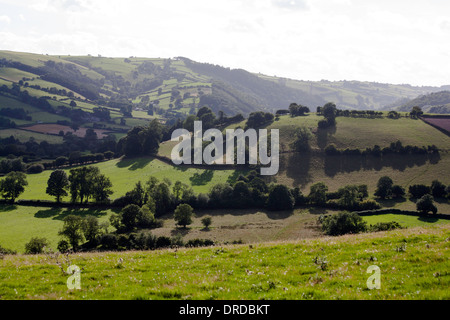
(199, 243)
(6, 251)
(109, 241)
(163, 242)
(384, 226)
(368, 204)
(36, 245)
(63, 246)
(343, 223)
(35, 168)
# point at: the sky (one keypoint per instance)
(388, 41)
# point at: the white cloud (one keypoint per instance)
(377, 40)
(5, 19)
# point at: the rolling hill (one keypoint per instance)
(140, 89)
(436, 102)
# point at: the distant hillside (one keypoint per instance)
(132, 91)
(436, 102)
(255, 91)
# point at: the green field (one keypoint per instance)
(125, 173)
(406, 221)
(18, 224)
(361, 132)
(413, 266)
(24, 136)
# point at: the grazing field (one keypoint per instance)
(413, 265)
(24, 136)
(18, 224)
(125, 173)
(336, 171)
(361, 132)
(56, 128)
(404, 220)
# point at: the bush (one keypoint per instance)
(109, 241)
(36, 245)
(6, 251)
(384, 226)
(63, 246)
(199, 243)
(343, 223)
(35, 168)
(368, 204)
(163, 242)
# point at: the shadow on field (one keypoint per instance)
(441, 200)
(428, 219)
(48, 213)
(323, 134)
(202, 179)
(134, 163)
(179, 232)
(351, 163)
(7, 207)
(390, 203)
(274, 215)
(317, 210)
(60, 214)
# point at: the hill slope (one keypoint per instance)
(436, 102)
(144, 88)
(411, 262)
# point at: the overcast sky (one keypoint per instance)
(392, 41)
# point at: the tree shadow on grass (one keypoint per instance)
(428, 219)
(317, 210)
(179, 232)
(134, 163)
(441, 200)
(7, 207)
(202, 179)
(48, 213)
(60, 214)
(390, 203)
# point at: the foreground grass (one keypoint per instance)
(414, 264)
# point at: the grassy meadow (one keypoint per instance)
(413, 266)
(18, 224)
(125, 173)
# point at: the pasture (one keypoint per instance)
(125, 173)
(412, 262)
